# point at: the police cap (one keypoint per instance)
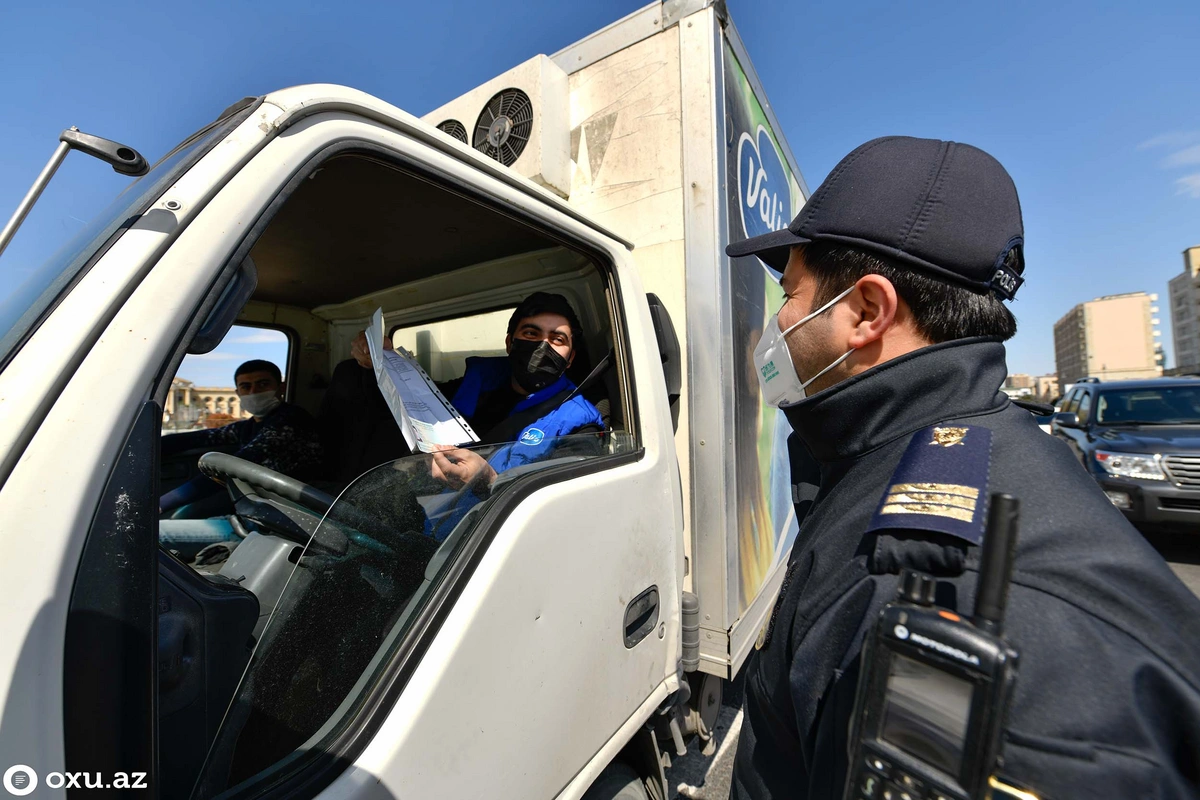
(947, 209)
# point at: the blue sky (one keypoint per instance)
(241, 344)
(1093, 107)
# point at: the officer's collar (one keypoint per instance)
(941, 382)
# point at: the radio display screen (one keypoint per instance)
(926, 713)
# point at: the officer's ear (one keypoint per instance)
(876, 306)
(508, 343)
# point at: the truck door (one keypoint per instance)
(530, 635)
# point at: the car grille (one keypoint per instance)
(1180, 503)
(1183, 470)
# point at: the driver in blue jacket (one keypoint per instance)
(524, 397)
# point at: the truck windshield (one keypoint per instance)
(366, 577)
(26, 295)
(1178, 405)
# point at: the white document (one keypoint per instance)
(425, 417)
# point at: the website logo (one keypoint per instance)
(20, 780)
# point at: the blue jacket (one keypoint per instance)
(535, 442)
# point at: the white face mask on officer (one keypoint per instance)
(781, 386)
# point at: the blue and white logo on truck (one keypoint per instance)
(763, 189)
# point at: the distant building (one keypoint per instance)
(1110, 338)
(1184, 291)
(1019, 380)
(1046, 388)
(190, 406)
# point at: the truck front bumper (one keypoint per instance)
(1155, 503)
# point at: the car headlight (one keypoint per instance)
(1125, 465)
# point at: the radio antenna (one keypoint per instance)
(996, 563)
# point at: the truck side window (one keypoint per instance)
(1072, 401)
(205, 411)
(203, 393)
(442, 347)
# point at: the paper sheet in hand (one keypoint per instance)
(425, 417)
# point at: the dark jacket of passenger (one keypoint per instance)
(286, 441)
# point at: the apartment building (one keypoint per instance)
(1184, 291)
(1111, 338)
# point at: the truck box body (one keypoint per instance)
(673, 146)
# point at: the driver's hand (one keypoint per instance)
(361, 353)
(457, 468)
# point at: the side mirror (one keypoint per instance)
(1064, 419)
(669, 352)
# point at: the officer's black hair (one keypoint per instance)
(258, 365)
(942, 311)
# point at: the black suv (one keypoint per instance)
(1141, 442)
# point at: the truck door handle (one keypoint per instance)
(641, 615)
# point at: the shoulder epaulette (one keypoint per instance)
(940, 484)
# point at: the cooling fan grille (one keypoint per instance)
(453, 127)
(504, 126)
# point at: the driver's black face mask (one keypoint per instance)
(535, 365)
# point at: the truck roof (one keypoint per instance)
(299, 102)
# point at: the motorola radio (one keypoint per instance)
(935, 687)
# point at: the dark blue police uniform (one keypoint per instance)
(1107, 698)
(1107, 702)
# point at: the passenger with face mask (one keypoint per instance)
(524, 397)
(278, 435)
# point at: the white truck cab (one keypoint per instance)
(562, 627)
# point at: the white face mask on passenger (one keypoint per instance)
(260, 403)
(781, 386)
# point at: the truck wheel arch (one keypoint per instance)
(637, 768)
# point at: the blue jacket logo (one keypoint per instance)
(766, 196)
(532, 437)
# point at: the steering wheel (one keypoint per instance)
(247, 483)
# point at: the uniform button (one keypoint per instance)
(892, 791)
(878, 764)
(869, 790)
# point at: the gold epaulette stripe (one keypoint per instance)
(958, 501)
(930, 509)
(945, 488)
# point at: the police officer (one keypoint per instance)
(886, 353)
